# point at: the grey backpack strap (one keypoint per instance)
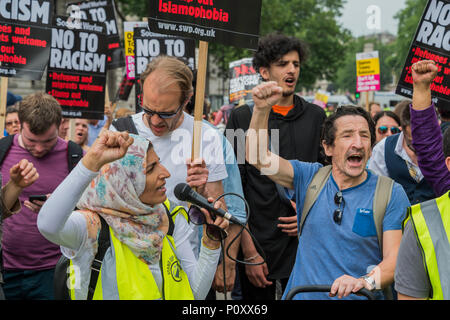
(314, 189)
(381, 200)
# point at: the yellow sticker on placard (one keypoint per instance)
(367, 67)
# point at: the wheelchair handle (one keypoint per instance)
(324, 288)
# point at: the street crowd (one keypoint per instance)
(357, 199)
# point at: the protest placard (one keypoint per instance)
(367, 71)
(102, 11)
(76, 74)
(149, 45)
(231, 22)
(321, 98)
(25, 35)
(243, 78)
(128, 29)
(125, 87)
(431, 42)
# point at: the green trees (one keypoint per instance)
(346, 74)
(408, 20)
(392, 55)
(313, 21)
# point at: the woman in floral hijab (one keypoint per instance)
(121, 179)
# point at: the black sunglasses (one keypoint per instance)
(338, 213)
(214, 232)
(384, 129)
(162, 115)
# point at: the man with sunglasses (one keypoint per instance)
(395, 157)
(167, 89)
(338, 243)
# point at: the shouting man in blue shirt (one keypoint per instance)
(338, 243)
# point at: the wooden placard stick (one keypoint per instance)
(199, 99)
(3, 102)
(110, 107)
(367, 101)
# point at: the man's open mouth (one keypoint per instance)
(290, 80)
(355, 158)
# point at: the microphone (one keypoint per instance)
(184, 192)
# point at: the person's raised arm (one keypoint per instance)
(423, 74)
(276, 168)
(425, 129)
(109, 147)
(54, 219)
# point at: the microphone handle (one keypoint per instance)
(200, 201)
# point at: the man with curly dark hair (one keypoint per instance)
(294, 129)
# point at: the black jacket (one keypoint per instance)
(299, 138)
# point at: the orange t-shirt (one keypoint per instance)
(283, 110)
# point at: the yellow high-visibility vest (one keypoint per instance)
(431, 224)
(133, 280)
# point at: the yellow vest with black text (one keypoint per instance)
(133, 280)
(431, 224)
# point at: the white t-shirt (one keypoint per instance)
(175, 147)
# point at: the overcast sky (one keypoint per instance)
(355, 15)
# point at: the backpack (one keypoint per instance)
(74, 151)
(62, 268)
(381, 198)
(125, 124)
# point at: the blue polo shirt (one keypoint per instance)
(327, 250)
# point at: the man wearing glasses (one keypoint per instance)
(395, 157)
(338, 244)
(167, 89)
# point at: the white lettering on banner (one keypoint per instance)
(90, 39)
(238, 84)
(98, 14)
(62, 38)
(111, 27)
(79, 60)
(93, 4)
(147, 47)
(436, 11)
(25, 10)
(436, 35)
(174, 47)
(140, 64)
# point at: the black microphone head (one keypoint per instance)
(181, 191)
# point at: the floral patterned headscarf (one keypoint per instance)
(114, 194)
